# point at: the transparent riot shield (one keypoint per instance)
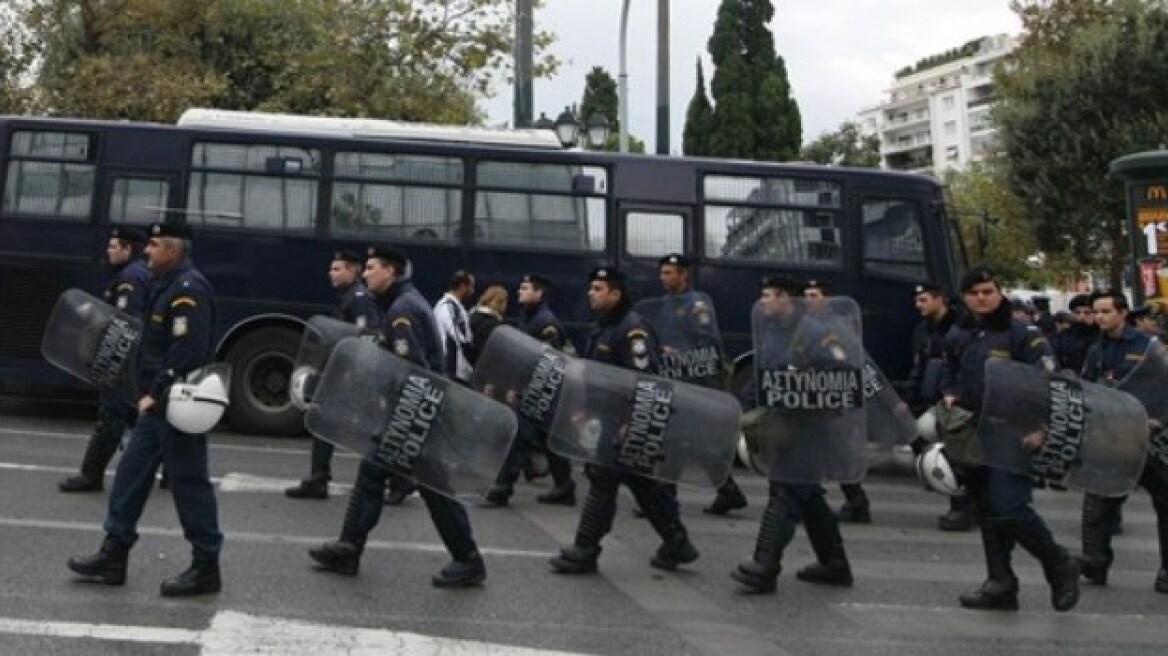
(95, 342)
(687, 331)
(1087, 436)
(647, 425)
(1148, 383)
(523, 373)
(888, 419)
(321, 335)
(438, 433)
(809, 366)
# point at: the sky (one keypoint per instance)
(840, 54)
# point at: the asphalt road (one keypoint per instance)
(908, 574)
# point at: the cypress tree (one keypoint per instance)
(698, 118)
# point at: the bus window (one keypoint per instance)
(893, 242)
(786, 221)
(136, 200)
(653, 234)
(570, 214)
(254, 186)
(48, 174)
(397, 196)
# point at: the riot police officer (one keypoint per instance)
(355, 305)
(620, 337)
(178, 339)
(1121, 349)
(537, 320)
(1071, 345)
(1002, 498)
(127, 292)
(408, 330)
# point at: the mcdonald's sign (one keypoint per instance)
(1156, 192)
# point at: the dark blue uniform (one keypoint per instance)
(357, 306)
(538, 320)
(179, 337)
(409, 331)
(1072, 344)
(1108, 362)
(621, 338)
(928, 348)
(1002, 497)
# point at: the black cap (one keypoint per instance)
(783, 282)
(818, 284)
(128, 234)
(1041, 301)
(389, 254)
(929, 288)
(1079, 300)
(976, 276)
(176, 228)
(538, 280)
(348, 256)
(608, 274)
(675, 259)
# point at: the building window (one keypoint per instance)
(50, 174)
(947, 103)
(951, 153)
(950, 128)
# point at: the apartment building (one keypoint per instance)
(936, 115)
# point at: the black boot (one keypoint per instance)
(1000, 590)
(344, 556)
(823, 531)
(315, 487)
(103, 443)
(856, 509)
(1061, 571)
(339, 557)
(461, 574)
(198, 579)
(536, 466)
(959, 517)
(595, 522)
(1099, 515)
(80, 483)
(729, 497)
(497, 497)
(774, 534)
(564, 495)
(576, 560)
(108, 564)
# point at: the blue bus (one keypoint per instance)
(271, 196)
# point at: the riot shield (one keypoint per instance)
(1148, 382)
(888, 418)
(435, 432)
(809, 376)
(646, 425)
(95, 342)
(1087, 436)
(521, 372)
(321, 336)
(687, 330)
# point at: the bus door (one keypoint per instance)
(647, 233)
(893, 259)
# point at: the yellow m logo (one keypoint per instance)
(1157, 192)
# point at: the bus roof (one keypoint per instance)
(366, 128)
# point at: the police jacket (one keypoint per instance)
(129, 286)
(1110, 359)
(620, 337)
(357, 306)
(179, 336)
(1072, 344)
(976, 339)
(538, 320)
(408, 328)
(928, 348)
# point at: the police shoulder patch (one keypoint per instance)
(549, 330)
(401, 347)
(183, 300)
(400, 322)
(638, 345)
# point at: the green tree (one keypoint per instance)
(754, 116)
(699, 117)
(844, 147)
(1086, 87)
(600, 97)
(994, 226)
(14, 60)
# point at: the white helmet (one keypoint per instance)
(196, 406)
(927, 425)
(302, 386)
(934, 470)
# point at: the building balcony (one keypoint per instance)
(907, 145)
(981, 101)
(901, 123)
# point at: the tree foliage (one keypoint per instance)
(699, 117)
(150, 59)
(1086, 86)
(14, 62)
(600, 98)
(844, 147)
(754, 115)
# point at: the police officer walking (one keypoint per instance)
(620, 337)
(537, 320)
(1121, 349)
(178, 339)
(1002, 498)
(355, 305)
(408, 330)
(127, 292)
(1071, 345)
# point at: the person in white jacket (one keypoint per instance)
(454, 325)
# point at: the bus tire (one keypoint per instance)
(261, 367)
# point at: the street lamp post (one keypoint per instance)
(623, 83)
(569, 130)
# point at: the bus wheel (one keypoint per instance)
(261, 366)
